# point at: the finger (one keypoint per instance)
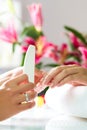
(69, 79)
(12, 73)
(22, 88)
(38, 72)
(64, 74)
(17, 71)
(76, 84)
(20, 79)
(40, 78)
(21, 97)
(55, 71)
(25, 106)
(4, 80)
(38, 75)
(39, 87)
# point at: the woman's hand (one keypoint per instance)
(39, 75)
(15, 72)
(12, 97)
(61, 75)
(10, 74)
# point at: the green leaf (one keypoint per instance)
(13, 47)
(74, 57)
(23, 58)
(11, 6)
(32, 32)
(76, 33)
(51, 65)
(39, 65)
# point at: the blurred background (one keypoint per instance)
(56, 14)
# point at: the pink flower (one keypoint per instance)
(63, 52)
(75, 41)
(46, 49)
(35, 11)
(71, 63)
(83, 51)
(51, 51)
(27, 41)
(64, 47)
(9, 34)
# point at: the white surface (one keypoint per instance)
(29, 63)
(68, 100)
(67, 123)
(33, 119)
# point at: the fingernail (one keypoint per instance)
(45, 82)
(44, 73)
(59, 84)
(51, 85)
(42, 80)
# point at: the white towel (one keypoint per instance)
(68, 100)
(71, 104)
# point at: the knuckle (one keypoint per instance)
(71, 77)
(7, 84)
(25, 76)
(9, 88)
(31, 85)
(33, 95)
(65, 71)
(10, 92)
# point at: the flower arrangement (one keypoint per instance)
(30, 34)
(72, 52)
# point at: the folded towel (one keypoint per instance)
(68, 100)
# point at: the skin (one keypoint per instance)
(39, 86)
(61, 75)
(13, 85)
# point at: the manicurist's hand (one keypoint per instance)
(12, 96)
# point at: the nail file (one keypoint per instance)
(29, 63)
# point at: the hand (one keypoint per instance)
(12, 96)
(15, 72)
(61, 75)
(39, 75)
(12, 73)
